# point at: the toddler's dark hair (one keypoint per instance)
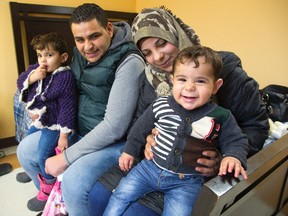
(53, 40)
(193, 52)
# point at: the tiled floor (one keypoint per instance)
(10, 150)
(14, 194)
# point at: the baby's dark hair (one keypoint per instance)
(53, 40)
(87, 12)
(193, 52)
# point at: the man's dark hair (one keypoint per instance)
(193, 52)
(87, 12)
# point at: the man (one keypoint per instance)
(107, 67)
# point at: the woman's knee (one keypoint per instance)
(98, 199)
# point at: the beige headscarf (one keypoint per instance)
(161, 23)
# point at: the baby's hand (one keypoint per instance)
(229, 164)
(39, 73)
(62, 142)
(33, 116)
(126, 161)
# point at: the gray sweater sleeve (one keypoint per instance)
(121, 106)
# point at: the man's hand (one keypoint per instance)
(150, 142)
(211, 164)
(55, 165)
(126, 161)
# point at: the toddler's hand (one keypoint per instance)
(33, 116)
(40, 72)
(126, 161)
(229, 164)
(62, 142)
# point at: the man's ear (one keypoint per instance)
(110, 29)
(217, 85)
(64, 57)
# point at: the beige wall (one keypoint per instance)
(256, 30)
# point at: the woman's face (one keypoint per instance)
(159, 53)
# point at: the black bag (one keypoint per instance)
(275, 97)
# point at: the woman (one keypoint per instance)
(160, 35)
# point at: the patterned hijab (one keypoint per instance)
(161, 23)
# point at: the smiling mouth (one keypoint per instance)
(91, 54)
(166, 63)
(189, 98)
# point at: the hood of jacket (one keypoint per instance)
(122, 34)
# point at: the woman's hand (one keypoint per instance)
(211, 164)
(150, 142)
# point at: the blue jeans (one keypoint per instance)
(180, 194)
(99, 197)
(79, 177)
(46, 147)
(26, 152)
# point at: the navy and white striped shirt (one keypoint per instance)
(167, 124)
(185, 134)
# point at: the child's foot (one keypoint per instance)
(36, 205)
(23, 177)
